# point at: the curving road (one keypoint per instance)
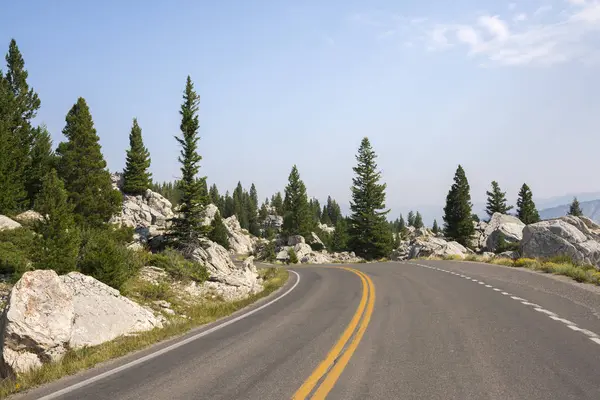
(430, 330)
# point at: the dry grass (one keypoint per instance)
(199, 314)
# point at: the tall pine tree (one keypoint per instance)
(435, 228)
(136, 176)
(59, 238)
(575, 208)
(297, 219)
(370, 235)
(458, 223)
(526, 210)
(187, 229)
(83, 169)
(252, 211)
(411, 218)
(43, 160)
(277, 203)
(339, 241)
(418, 220)
(402, 230)
(496, 201)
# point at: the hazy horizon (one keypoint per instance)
(505, 89)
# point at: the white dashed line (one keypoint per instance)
(497, 290)
(488, 286)
(517, 298)
(595, 340)
(543, 310)
(506, 293)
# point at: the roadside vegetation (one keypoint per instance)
(198, 313)
(558, 265)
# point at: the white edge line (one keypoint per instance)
(166, 349)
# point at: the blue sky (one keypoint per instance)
(507, 89)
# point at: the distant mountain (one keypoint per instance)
(590, 209)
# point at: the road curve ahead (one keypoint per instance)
(425, 330)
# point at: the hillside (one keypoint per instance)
(590, 209)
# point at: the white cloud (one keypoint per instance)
(520, 17)
(572, 35)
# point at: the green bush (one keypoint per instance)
(268, 252)
(526, 263)
(178, 267)
(16, 249)
(155, 291)
(293, 257)
(502, 245)
(218, 232)
(107, 260)
(122, 234)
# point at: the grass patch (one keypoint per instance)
(199, 314)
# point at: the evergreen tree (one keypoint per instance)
(83, 169)
(59, 238)
(333, 211)
(402, 227)
(458, 224)
(315, 210)
(263, 212)
(239, 205)
(187, 228)
(254, 196)
(136, 177)
(526, 210)
(339, 241)
(325, 219)
(418, 221)
(370, 236)
(435, 228)
(277, 203)
(496, 201)
(297, 219)
(411, 218)
(215, 198)
(204, 190)
(12, 190)
(43, 161)
(228, 207)
(575, 209)
(218, 232)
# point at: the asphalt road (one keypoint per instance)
(438, 330)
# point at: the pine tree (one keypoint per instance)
(370, 235)
(263, 213)
(402, 230)
(418, 221)
(239, 206)
(435, 228)
(83, 169)
(297, 219)
(228, 207)
(496, 201)
(325, 219)
(526, 210)
(458, 224)
(333, 211)
(42, 160)
(339, 241)
(315, 210)
(218, 232)
(575, 208)
(59, 238)
(187, 229)
(277, 203)
(411, 218)
(136, 176)
(18, 106)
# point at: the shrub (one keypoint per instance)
(502, 245)
(122, 234)
(178, 267)
(525, 262)
(107, 260)
(293, 257)
(218, 232)
(155, 291)
(502, 261)
(560, 259)
(268, 252)
(16, 249)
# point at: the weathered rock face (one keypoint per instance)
(479, 239)
(326, 228)
(240, 241)
(149, 214)
(210, 212)
(243, 279)
(28, 217)
(426, 246)
(273, 221)
(509, 226)
(294, 240)
(315, 242)
(8, 224)
(47, 314)
(576, 237)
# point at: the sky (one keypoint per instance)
(509, 90)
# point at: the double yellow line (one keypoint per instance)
(324, 377)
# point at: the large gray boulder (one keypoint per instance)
(508, 226)
(240, 241)
(7, 224)
(435, 247)
(576, 237)
(242, 278)
(209, 214)
(29, 217)
(47, 315)
(315, 241)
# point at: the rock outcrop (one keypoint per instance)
(29, 217)
(326, 228)
(576, 237)
(423, 242)
(48, 314)
(508, 226)
(240, 241)
(7, 224)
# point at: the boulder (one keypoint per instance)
(209, 214)
(509, 226)
(273, 221)
(315, 242)
(479, 239)
(345, 257)
(29, 217)
(326, 228)
(48, 314)
(7, 224)
(240, 241)
(294, 240)
(576, 237)
(513, 255)
(243, 278)
(436, 247)
(283, 254)
(402, 252)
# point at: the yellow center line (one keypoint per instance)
(367, 301)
